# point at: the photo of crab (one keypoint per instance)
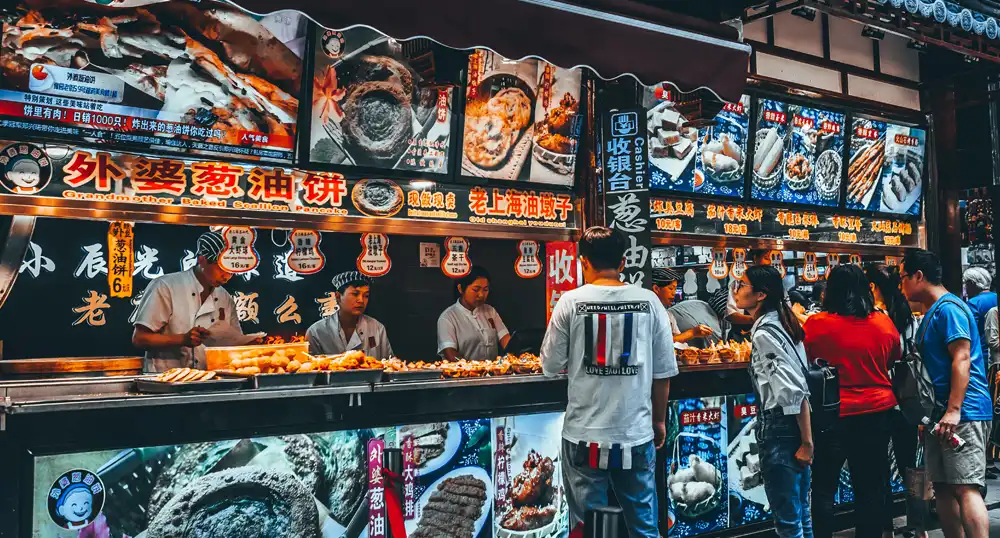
(199, 77)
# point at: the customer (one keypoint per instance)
(614, 341)
(992, 329)
(977, 282)
(950, 347)
(777, 367)
(891, 302)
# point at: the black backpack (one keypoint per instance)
(823, 382)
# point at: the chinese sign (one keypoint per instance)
(239, 255)
(626, 189)
(562, 275)
(456, 262)
(374, 259)
(501, 461)
(810, 269)
(719, 269)
(528, 265)
(409, 478)
(121, 260)
(376, 489)
(306, 257)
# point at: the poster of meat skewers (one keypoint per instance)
(521, 120)
(887, 167)
(194, 77)
(371, 105)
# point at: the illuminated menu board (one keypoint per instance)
(798, 155)
(886, 168)
(196, 77)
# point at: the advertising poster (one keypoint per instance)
(529, 500)
(798, 154)
(864, 173)
(747, 500)
(522, 120)
(683, 158)
(886, 173)
(454, 488)
(198, 77)
(371, 106)
(697, 471)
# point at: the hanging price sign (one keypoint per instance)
(892, 261)
(239, 255)
(832, 260)
(855, 259)
(528, 265)
(777, 259)
(374, 259)
(739, 262)
(306, 258)
(121, 258)
(719, 269)
(810, 269)
(456, 262)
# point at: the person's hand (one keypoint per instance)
(703, 330)
(659, 433)
(949, 422)
(799, 309)
(195, 336)
(804, 455)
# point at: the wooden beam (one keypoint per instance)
(832, 64)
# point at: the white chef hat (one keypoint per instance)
(211, 245)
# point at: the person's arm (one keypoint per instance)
(555, 344)
(993, 330)
(143, 338)
(503, 335)
(447, 335)
(153, 315)
(804, 455)
(661, 397)
(961, 363)
(450, 354)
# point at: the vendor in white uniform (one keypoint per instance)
(470, 328)
(349, 328)
(665, 287)
(180, 311)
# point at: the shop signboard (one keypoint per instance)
(562, 274)
(181, 76)
(626, 188)
(886, 171)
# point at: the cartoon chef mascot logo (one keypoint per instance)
(24, 168)
(75, 499)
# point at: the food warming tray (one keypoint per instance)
(282, 381)
(347, 377)
(413, 375)
(151, 386)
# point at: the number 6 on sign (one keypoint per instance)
(239, 255)
(374, 259)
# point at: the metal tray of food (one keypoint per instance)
(402, 376)
(348, 377)
(283, 381)
(151, 386)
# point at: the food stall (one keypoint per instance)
(127, 130)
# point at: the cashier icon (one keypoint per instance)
(75, 499)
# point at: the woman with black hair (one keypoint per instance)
(777, 369)
(861, 343)
(470, 328)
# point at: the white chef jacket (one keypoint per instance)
(172, 304)
(326, 337)
(476, 335)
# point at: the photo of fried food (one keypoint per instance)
(494, 126)
(428, 440)
(453, 509)
(532, 494)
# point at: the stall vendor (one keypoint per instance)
(349, 328)
(181, 310)
(470, 328)
(665, 287)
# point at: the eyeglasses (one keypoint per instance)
(740, 284)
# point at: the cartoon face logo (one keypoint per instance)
(75, 499)
(24, 168)
(333, 43)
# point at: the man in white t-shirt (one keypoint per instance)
(615, 343)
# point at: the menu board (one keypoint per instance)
(798, 154)
(886, 170)
(199, 77)
(522, 120)
(369, 105)
(686, 159)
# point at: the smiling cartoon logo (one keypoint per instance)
(24, 168)
(41, 79)
(75, 499)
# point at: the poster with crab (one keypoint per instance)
(521, 120)
(187, 76)
(374, 104)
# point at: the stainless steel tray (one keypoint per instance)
(151, 386)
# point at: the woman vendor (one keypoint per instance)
(470, 328)
(665, 287)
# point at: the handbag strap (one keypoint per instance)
(780, 334)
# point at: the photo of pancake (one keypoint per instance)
(377, 197)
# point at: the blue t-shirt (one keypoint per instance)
(980, 305)
(950, 319)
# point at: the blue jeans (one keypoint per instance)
(786, 483)
(634, 488)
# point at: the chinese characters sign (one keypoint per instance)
(456, 262)
(239, 255)
(306, 258)
(527, 265)
(376, 489)
(626, 190)
(562, 275)
(374, 259)
(121, 258)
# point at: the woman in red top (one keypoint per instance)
(861, 343)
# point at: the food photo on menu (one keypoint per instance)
(373, 103)
(887, 167)
(696, 467)
(684, 158)
(747, 500)
(201, 77)
(797, 155)
(522, 120)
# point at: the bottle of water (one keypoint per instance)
(953, 440)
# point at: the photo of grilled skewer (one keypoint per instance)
(864, 171)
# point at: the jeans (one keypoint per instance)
(863, 441)
(904, 447)
(786, 483)
(634, 488)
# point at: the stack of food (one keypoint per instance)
(526, 363)
(724, 352)
(301, 362)
(183, 375)
(668, 134)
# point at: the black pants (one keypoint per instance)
(904, 447)
(862, 441)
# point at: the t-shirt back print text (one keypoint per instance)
(610, 335)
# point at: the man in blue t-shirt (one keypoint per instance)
(949, 343)
(978, 282)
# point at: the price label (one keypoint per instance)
(832, 260)
(855, 259)
(803, 122)
(719, 269)
(739, 262)
(810, 270)
(374, 259)
(306, 257)
(121, 258)
(892, 261)
(456, 262)
(239, 255)
(776, 259)
(528, 264)
(866, 132)
(774, 116)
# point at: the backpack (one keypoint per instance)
(823, 381)
(911, 383)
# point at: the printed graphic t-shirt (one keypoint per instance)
(613, 341)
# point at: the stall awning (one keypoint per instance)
(564, 34)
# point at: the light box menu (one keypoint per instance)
(886, 168)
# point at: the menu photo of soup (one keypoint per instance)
(522, 120)
(371, 105)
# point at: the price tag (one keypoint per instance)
(456, 262)
(374, 259)
(239, 255)
(777, 259)
(121, 258)
(528, 265)
(430, 255)
(855, 259)
(739, 262)
(832, 260)
(306, 258)
(810, 270)
(719, 269)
